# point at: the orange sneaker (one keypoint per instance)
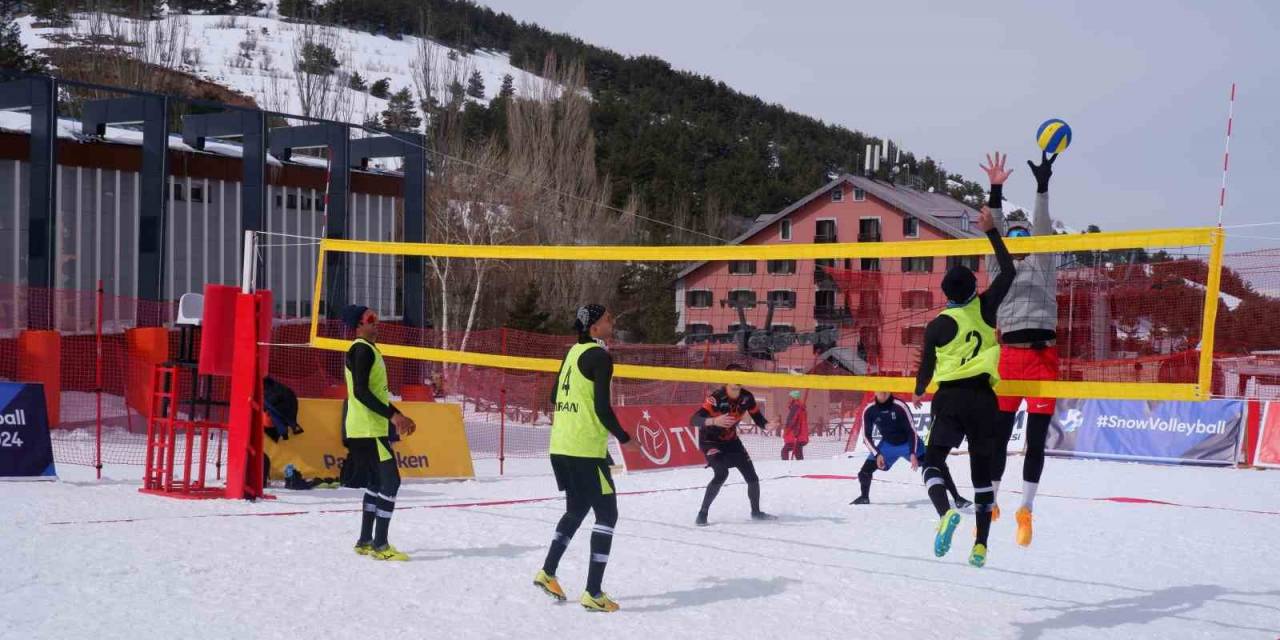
(1024, 527)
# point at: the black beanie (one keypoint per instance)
(352, 314)
(959, 284)
(587, 315)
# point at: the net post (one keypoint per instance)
(1213, 283)
(502, 412)
(246, 266)
(315, 294)
(97, 362)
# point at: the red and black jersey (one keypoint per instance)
(719, 404)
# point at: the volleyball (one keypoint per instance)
(1054, 136)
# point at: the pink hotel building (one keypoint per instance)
(878, 306)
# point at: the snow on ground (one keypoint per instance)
(83, 557)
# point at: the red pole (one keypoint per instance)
(97, 359)
(502, 412)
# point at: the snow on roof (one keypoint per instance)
(1231, 301)
(70, 129)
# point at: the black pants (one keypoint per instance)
(1037, 433)
(588, 486)
(721, 463)
(963, 412)
(374, 468)
(796, 448)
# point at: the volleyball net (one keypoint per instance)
(1135, 310)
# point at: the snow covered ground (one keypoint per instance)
(84, 558)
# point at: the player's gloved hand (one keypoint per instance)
(1043, 171)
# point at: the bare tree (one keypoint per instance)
(553, 175)
(321, 90)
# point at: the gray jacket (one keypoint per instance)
(1032, 302)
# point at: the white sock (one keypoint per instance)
(995, 490)
(1029, 494)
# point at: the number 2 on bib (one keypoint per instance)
(976, 338)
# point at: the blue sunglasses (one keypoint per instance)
(1019, 233)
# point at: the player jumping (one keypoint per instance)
(580, 456)
(717, 423)
(1028, 322)
(898, 439)
(366, 427)
(961, 354)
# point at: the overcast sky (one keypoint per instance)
(1143, 84)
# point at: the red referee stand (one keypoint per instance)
(178, 443)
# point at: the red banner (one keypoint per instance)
(664, 434)
(1269, 442)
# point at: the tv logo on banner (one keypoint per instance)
(1160, 431)
(25, 449)
(664, 434)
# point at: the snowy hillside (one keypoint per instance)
(256, 55)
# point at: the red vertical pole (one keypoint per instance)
(97, 359)
(502, 412)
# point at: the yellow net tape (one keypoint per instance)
(1043, 244)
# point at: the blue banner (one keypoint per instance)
(1161, 431)
(25, 450)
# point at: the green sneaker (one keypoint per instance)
(946, 529)
(978, 557)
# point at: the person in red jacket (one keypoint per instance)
(795, 434)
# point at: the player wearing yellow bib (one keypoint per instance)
(367, 430)
(961, 354)
(580, 457)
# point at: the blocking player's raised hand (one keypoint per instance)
(994, 168)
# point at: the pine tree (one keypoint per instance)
(317, 59)
(400, 114)
(357, 82)
(13, 54)
(475, 85)
(51, 13)
(524, 315)
(456, 92)
(508, 87)
(297, 8)
(381, 88)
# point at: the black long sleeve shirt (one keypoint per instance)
(597, 366)
(942, 329)
(719, 404)
(360, 359)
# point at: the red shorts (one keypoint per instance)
(1020, 363)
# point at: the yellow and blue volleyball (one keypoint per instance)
(1054, 136)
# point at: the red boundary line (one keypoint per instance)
(1119, 499)
(501, 503)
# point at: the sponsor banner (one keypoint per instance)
(1161, 431)
(923, 419)
(665, 435)
(1269, 441)
(438, 449)
(25, 449)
